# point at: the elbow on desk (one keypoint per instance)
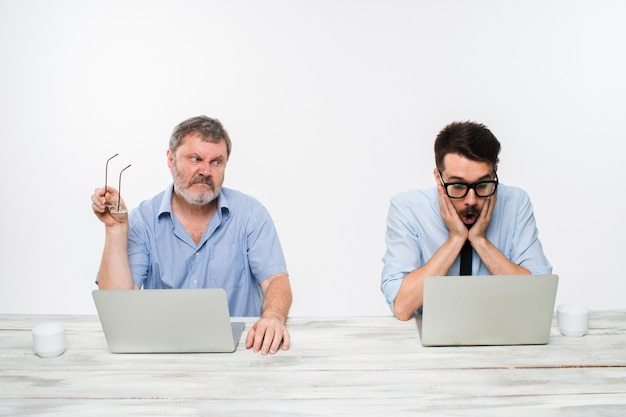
(402, 314)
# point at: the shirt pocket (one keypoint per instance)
(227, 267)
(159, 279)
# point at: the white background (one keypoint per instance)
(332, 106)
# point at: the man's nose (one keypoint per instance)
(205, 168)
(470, 198)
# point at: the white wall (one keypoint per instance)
(333, 106)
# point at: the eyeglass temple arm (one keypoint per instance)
(106, 172)
(119, 187)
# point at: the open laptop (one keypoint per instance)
(487, 310)
(167, 321)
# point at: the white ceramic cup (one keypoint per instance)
(49, 339)
(573, 319)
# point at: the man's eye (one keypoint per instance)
(458, 186)
(217, 163)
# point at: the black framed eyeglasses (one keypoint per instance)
(460, 189)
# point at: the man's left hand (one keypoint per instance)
(267, 335)
(479, 229)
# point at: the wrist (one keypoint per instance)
(478, 241)
(119, 230)
(274, 316)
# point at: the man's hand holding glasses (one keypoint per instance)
(107, 202)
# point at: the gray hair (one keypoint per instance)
(210, 129)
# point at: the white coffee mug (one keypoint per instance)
(49, 339)
(573, 319)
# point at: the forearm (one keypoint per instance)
(115, 268)
(277, 297)
(411, 294)
(495, 261)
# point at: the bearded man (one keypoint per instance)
(198, 234)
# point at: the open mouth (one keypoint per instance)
(469, 217)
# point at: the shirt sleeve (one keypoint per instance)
(138, 248)
(265, 254)
(527, 250)
(402, 255)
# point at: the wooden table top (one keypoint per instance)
(336, 366)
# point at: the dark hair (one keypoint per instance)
(468, 139)
(210, 129)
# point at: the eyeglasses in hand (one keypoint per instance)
(115, 207)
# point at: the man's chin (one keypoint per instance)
(205, 199)
(199, 199)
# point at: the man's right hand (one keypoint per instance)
(448, 213)
(104, 206)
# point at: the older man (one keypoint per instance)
(197, 234)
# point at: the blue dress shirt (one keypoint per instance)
(415, 231)
(239, 249)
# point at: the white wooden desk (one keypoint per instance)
(336, 366)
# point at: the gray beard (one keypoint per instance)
(197, 199)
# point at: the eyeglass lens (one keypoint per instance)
(460, 190)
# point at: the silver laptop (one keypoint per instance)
(487, 310)
(167, 321)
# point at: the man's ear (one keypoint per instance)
(170, 158)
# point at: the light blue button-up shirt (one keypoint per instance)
(239, 249)
(415, 231)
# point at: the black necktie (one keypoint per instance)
(466, 259)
